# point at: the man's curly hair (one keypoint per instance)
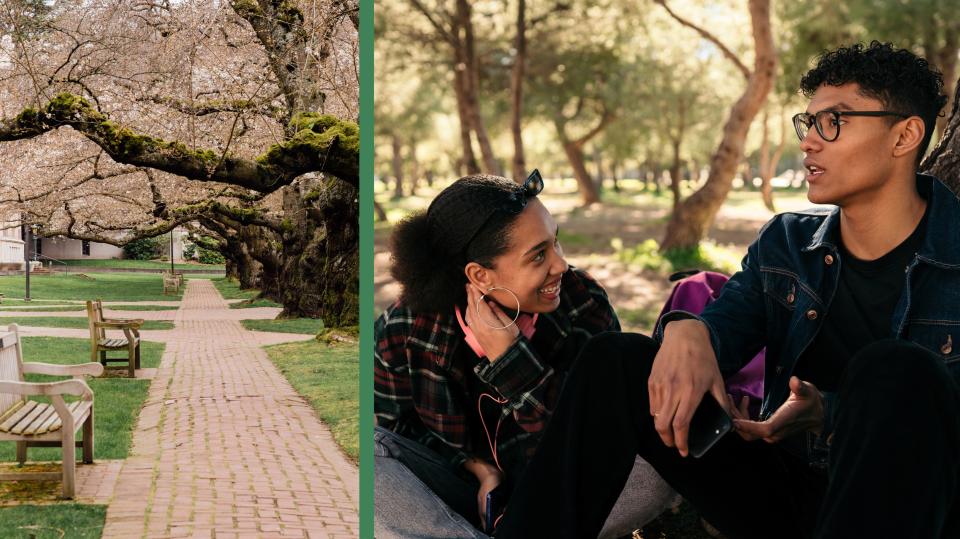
(901, 80)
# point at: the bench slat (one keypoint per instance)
(12, 410)
(80, 411)
(47, 418)
(25, 420)
(113, 343)
(43, 418)
(17, 416)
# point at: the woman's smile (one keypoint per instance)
(550, 291)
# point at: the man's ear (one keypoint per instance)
(911, 135)
(479, 276)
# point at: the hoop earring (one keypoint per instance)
(515, 298)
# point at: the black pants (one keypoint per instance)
(893, 471)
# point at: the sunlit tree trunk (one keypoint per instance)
(397, 162)
(516, 93)
(691, 219)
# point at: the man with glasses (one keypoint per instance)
(858, 434)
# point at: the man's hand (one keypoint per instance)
(803, 411)
(684, 370)
(494, 341)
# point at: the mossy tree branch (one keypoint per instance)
(320, 143)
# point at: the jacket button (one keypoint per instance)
(791, 297)
(828, 259)
(811, 314)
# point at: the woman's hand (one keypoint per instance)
(494, 341)
(487, 485)
(489, 477)
(802, 412)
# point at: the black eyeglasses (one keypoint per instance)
(828, 121)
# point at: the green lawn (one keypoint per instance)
(78, 307)
(106, 286)
(139, 264)
(76, 323)
(140, 307)
(117, 401)
(310, 326)
(327, 377)
(230, 289)
(41, 308)
(58, 521)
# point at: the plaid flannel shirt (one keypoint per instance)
(427, 381)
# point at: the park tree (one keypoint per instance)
(931, 28)
(452, 30)
(944, 160)
(689, 221)
(581, 83)
(125, 120)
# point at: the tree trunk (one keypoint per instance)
(516, 94)
(588, 189)
(472, 87)
(379, 212)
(690, 221)
(766, 174)
(675, 174)
(598, 162)
(574, 150)
(944, 58)
(414, 169)
(320, 272)
(468, 159)
(397, 145)
(615, 175)
(944, 161)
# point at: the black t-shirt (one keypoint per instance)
(861, 311)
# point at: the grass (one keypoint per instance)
(249, 304)
(641, 320)
(138, 264)
(230, 289)
(74, 308)
(106, 286)
(58, 521)
(41, 308)
(74, 323)
(707, 256)
(327, 377)
(116, 404)
(140, 307)
(310, 326)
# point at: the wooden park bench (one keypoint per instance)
(31, 424)
(171, 282)
(100, 344)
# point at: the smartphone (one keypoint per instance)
(710, 423)
(496, 503)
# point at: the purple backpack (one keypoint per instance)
(694, 292)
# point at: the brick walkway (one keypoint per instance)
(224, 447)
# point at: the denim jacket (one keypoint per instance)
(789, 276)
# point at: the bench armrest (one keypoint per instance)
(63, 387)
(118, 324)
(92, 369)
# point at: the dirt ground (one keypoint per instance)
(631, 216)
